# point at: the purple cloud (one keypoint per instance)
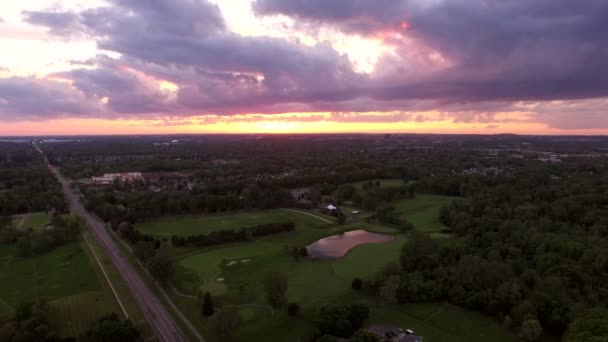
(30, 98)
(471, 57)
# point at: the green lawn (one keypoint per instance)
(314, 283)
(202, 224)
(364, 261)
(65, 277)
(36, 221)
(241, 268)
(423, 211)
(439, 322)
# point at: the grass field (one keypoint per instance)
(234, 275)
(202, 224)
(36, 221)
(423, 211)
(64, 277)
(438, 322)
(241, 268)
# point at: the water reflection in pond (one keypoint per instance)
(336, 246)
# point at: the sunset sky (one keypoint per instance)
(280, 66)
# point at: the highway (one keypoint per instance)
(163, 324)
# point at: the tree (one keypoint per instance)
(144, 250)
(388, 291)
(342, 320)
(420, 252)
(357, 284)
(531, 330)
(161, 267)
(591, 326)
(110, 329)
(364, 336)
(275, 285)
(226, 322)
(293, 309)
(207, 307)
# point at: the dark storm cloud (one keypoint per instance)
(517, 49)
(359, 16)
(459, 55)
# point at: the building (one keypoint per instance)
(109, 178)
(331, 207)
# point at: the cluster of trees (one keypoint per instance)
(156, 257)
(387, 214)
(111, 328)
(227, 235)
(138, 206)
(375, 196)
(341, 320)
(26, 185)
(60, 230)
(31, 323)
(532, 252)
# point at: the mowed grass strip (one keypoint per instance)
(423, 211)
(206, 223)
(123, 291)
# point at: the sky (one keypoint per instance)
(303, 66)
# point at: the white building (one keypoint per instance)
(109, 178)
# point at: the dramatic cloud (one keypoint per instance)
(30, 98)
(468, 59)
(489, 49)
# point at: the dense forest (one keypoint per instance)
(26, 185)
(534, 251)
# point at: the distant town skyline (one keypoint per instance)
(78, 67)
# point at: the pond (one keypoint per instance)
(337, 246)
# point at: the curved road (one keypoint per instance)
(164, 326)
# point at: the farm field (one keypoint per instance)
(65, 277)
(203, 224)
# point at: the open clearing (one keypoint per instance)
(65, 277)
(423, 211)
(203, 224)
(36, 221)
